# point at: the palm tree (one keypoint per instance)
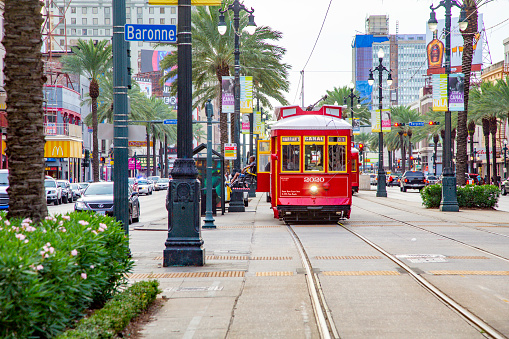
(90, 60)
(213, 58)
(24, 81)
(404, 114)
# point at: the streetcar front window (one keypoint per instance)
(291, 158)
(313, 158)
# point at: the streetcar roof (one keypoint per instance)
(311, 122)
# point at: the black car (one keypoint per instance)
(412, 179)
(66, 191)
(98, 197)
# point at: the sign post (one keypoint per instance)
(150, 33)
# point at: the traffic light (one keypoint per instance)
(399, 124)
(86, 159)
(102, 159)
(361, 148)
(434, 123)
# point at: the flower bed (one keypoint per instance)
(470, 196)
(52, 271)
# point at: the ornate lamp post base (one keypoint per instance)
(381, 190)
(449, 196)
(237, 201)
(184, 245)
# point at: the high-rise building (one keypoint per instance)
(71, 20)
(404, 55)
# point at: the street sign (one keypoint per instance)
(193, 2)
(152, 33)
(170, 121)
(416, 123)
(230, 151)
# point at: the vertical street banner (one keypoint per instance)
(245, 123)
(356, 125)
(227, 94)
(230, 151)
(439, 83)
(246, 94)
(456, 92)
(257, 123)
(386, 120)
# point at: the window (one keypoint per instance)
(94, 10)
(107, 32)
(73, 31)
(173, 21)
(84, 21)
(83, 10)
(96, 21)
(139, 20)
(73, 9)
(161, 21)
(140, 43)
(128, 10)
(73, 21)
(62, 31)
(96, 32)
(161, 10)
(290, 150)
(151, 20)
(62, 42)
(174, 10)
(107, 10)
(107, 21)
(83, 32)
(263, 156)
(314, 154)
(151, 10)
(337, 154)
(139, 10)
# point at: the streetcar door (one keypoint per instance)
(263, 166)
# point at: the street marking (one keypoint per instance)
(469, 272)
(228, 274)
(466, 257)
(346, 257)
(359, 273)
(274, 274)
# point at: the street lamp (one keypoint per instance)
(352, 96)
(449, 201)
(236, 201)
(381, 190)
(505, 158)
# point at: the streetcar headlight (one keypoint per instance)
(313, 189)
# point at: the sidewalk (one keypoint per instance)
(251, 285)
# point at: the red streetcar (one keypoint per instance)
(354, 174)
(309, 175)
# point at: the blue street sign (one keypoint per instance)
(170, 121)
(416, 123)
(152, 33)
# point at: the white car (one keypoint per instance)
(144, 187)
(162, 184)
(4, 185)
(53, 191)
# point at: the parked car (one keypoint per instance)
(163, 184)
(153, 179)
(392, 180)
(98, 197)
(504, 186)
(431, 180)
(133, 182)
(76, 191)
(144, 187)
(53, 191)
(66, 191)
(83, 186)
(372, 179)
(4, 185)
(412, 179)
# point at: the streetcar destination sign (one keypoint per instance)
(153, 33)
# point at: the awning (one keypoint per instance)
(63, 149)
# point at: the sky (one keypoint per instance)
(330, 64)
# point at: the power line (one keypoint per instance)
(318, 37)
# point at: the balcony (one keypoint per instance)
(62, 129)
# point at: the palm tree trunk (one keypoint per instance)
(435, 151)
(466, 68)
(223, 118)
(471, 131)
(486, 133)
(493, 130)
(24, 81)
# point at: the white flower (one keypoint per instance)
(7, 222)
(46, 255)
(31, 229)
(74, 253)
(101, 229)
(44, 231)
(25, 224)
(26, 241)
(83, 222)
(49, 218)
(84, 275)
(60, 222)
(51, 250)
(20, 236)
(92, 266)
(95, 232)
(28, 220)
(103, 225)
(42, 252)
(66, 217)
(39, 267)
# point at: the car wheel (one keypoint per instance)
(65, 200)
(60, 201)
(55, 202)
(404, 189)
(504, 192)
(401, 189)
(137, 219)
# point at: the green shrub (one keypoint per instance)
(52, 271)
(117, 313)
(473, 196)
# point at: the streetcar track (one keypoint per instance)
(441, 235)
(469, 316)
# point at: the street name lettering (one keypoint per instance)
(159, 33)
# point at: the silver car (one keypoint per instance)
(144, 187)
(162, 184)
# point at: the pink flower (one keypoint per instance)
(26, 241)
(49, 218)
(66, 217)
(28, 220)
(39, 267)
(25, 224)
(101, 229)
(30, 229)
(20, 236)
(74, 253)
(83, 222)
(7, 222)
(103, 225)
(92, 266)
(95, 232)
(84, 275)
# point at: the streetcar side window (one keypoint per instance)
(291, 158)
(337, 154)
(263, 162)
(354, 165)
(314, 157)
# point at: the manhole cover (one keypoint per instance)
(423, 258)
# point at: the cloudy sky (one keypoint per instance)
(330, 64)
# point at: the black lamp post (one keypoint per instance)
(236, 201)
(352, 96)
(381, 190)
(505, 160)
(449, 195)
(184, 245)
(209, 219)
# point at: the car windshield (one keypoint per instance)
(75, 186)
(4, 179)
(130, 181)
(163, 180)
(99, 189)
(142, 182)
(431, 177)
(49, 183)
(84, 184)
(61, 184)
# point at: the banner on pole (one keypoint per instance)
(356, 125)
(386, 121)
(246, 94)
(257, 123)
(245, 123)
(440, 102)
(456, 92)
(227, 94)
(230, 151)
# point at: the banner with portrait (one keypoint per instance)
(386, 120)
(227, 94)
(456, 92)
